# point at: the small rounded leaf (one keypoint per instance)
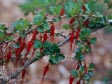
(37, 44)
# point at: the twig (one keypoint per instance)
(27, 32)
(14, 75)
(29, 62)
(92, 29)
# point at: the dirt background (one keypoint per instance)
(58, 74)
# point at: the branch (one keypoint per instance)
(14, 75)
(29, 31)
(29, 62)
(93, 29)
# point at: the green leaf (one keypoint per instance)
(52, 1)
(99, 14)
(22, 34)
(50, 48)
(40, 29)
(74, 10)
(74, 73)
(32, 5)
(87, 49)
(54, 59)
(45, 26)
(85, 32)
(58, 34)
(25, 23)
(93, 40)
(80, 44)
(55, 48)
(41, 3)
(110, 5)
(37, 44)
(80, 3)
(110, 16)
(42, 12)
(66, 26)
(9, 38)
(27, 7)
(87, 7)
(107, 1)
(90, 73)
(106, 80)
(38, 55)
(86, 77)
(91, 66)
(79, 55)
(48, 51)
(56, 19)
(17, 45)
(2, 27)
(38, 18)
(81, 70)
(99, 7)
(21, 25)
(55, 10)
(59, 57)
(91, 6)
(2, 34)
(47, 44)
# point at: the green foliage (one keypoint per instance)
(56, 19)
(50, 48)
(91, 66)
(72, 7)
(93, 40)
(107, 78)
(2, 27)
(107, 1)
(47, 44)
(74, 73)
(32, 5)
(38, 18)
(56, 58)
(37, 44)
(21, 25)
(86, 77)
(2, 34)
(90, 73)
(17, 45)
(66, 26)
(110, 16)
(55, 10)
(38, 55)
(44, 27)
(9, 38)
(54, 52)
(81, 70)
(84, 34)
(79, 55)
(2, 31)
(99, 7)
